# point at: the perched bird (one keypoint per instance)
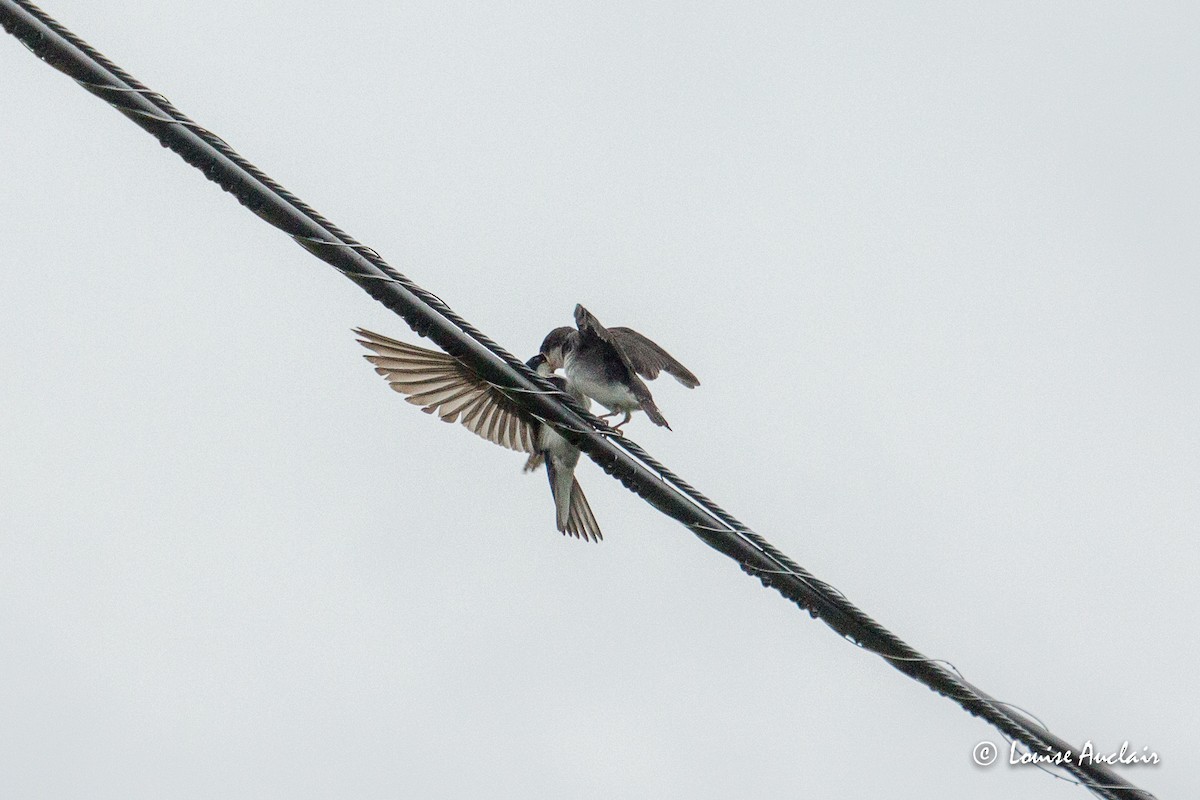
(605, 364)
(444, 385)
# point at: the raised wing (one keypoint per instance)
(641, 355)
(647, 358)
(590, 328)
(443, 385)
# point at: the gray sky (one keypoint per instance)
(936, 267)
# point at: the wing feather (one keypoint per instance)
(471, 415)
(590, 328)
(647, 358)
(451, 409)
(487, 423)
(441, 395)
(443, 385)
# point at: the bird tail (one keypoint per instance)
(560, 487)
(573, 515)
(582, 523)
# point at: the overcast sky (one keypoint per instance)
(935, 265)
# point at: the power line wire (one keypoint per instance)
(426, 314)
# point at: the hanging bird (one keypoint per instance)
(444, 385)
(605, 364)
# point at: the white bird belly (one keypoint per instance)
(612, 395)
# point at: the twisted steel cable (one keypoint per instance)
(429, 316)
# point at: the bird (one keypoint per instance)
(608, 364)
(442, 384)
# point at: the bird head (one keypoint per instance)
(557, 344)
(538, 364)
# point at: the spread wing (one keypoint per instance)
(443, 385)
(647, 358)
